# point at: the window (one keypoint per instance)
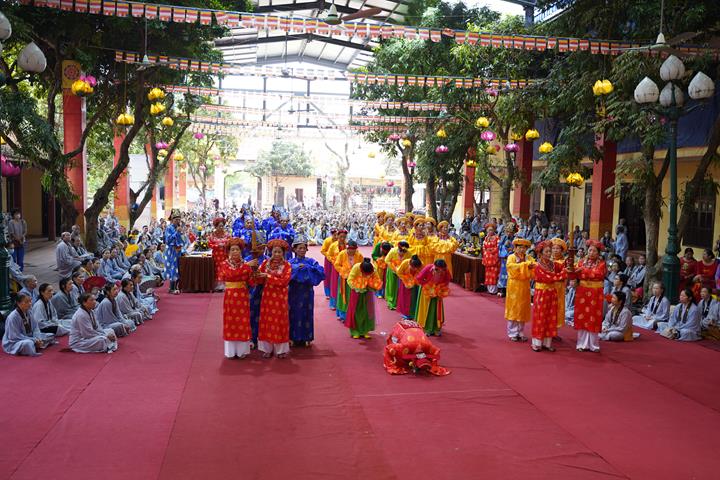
(557, 205)
(299, 195)
(700, 227)
(280, 196)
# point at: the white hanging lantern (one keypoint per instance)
(5, 28)
(646, 91)
(666, 96)
(672, 69)
(701, 87)
(32, 59)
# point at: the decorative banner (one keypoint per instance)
(435, 81)
(213, 127)
(187, 64)
(178, 14)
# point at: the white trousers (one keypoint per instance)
(515, 329)
(588, 340)
(277, 348)
(545, 342)
(492, 289)
(241, 349)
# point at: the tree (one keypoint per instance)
(284, 159)
(207, 153)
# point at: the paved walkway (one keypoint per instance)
(40, 260)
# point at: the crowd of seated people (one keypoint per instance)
(97, 299)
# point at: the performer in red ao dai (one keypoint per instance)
(217, 242)
(236, 304)
(545, 304)
(275, 273)
(491, 259)
(590, 271)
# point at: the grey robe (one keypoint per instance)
(21, 333)
(109, 316)
(709, 313)
(614, 328)
(570, 306)
(66, 259)
(87, 336)
(130, 308)
(66, 305)
(654, 312)
(686, 323)
(46, 316)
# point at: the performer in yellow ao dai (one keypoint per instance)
(517, 303)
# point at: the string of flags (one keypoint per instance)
(435, 81)
(412, 106)
(361, 29)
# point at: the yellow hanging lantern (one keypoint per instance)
(371, 154)
(491, 150)
(162, 153)
(607, 87)
(546, 147)
(532, 134)
(155, 94)
(125, 119)
(441, 133)
(168, 122)
(406, 143)
(482, 122)
(2, 140)
(157, 108)
(179, 157)
(516, 137)
(597, 88)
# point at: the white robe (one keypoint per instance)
(21, 333)
(686, 321)
(87, 336)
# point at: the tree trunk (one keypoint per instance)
(652, 230)
(506, 187)
(431, 189)
(454, 191)
(91, 226)
(408, 180)
(68, 212)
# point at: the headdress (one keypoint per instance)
(431, 220)
(596, 244)
(380, 214)
(490, 224)
(444, 223)
(217, 221)
(522, 242)
(401, 220)
(235, 241)
(559, 241)
(390, 216)
(341, 230)
(300, 239)
(540, 246)
(278, 242)
(174, 213)
(419, 221)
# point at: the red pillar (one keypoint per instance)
(155, 195)
(169, 187)
(182, 187)
(122, 188)
(603, 177)
(521, 194)
(469, 184)
(73, 126)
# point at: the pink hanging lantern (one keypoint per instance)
(441, 149)
(8, 169)
(394, 137)
(512, 147)
(491, 92)
(390, 183)
(161, 145)
(202, 168)
(411, 164)
(198, 136)
(487, 135)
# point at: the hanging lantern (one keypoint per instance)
(168, 122)
(2, 140)
(491, 149)
(487, 136)
(32, 59)
(441, 149)
(162, 153)
(125, 119)
(179, 157)
(371, 154)
(157, 108)
(81, 88)
(491, 92)
(411, 164)
(441, 133)
(516, 137)
(532, 134)
(546, 147)
(512, 147)
(202, 168)
(198, 136)
(155, 94)
(393, 137)
(575, 180)
(471, 163)
(602, 87)
(8, 169)
(482, 122)
(390, 183)
(161, 145)
(406, 143)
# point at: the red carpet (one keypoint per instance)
(168, 405)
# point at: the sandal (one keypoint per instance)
(579, 349)
(536, 348)
(549, 349)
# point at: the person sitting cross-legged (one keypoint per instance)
(22, 335)
(684, 323)
(86, 333)
(617, 326)
(46, 315)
